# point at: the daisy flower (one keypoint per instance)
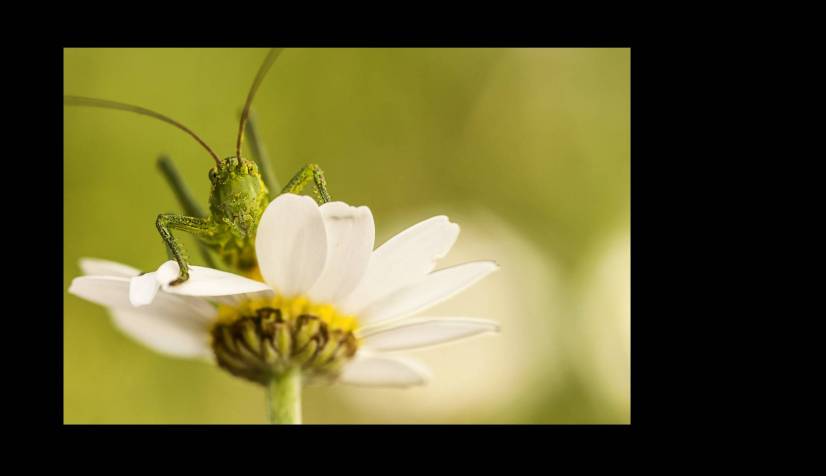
(328, 306)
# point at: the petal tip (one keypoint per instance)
(167, 272)
(495, 328)
(422, 372)
(85, 264)
(73, 287)
(425, 376)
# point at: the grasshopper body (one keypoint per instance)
(240, 192)
(237, 199)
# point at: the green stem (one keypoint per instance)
(284, 395)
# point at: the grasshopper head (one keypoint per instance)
(238, 194)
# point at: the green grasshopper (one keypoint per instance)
(239, 194)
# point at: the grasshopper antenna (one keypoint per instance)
(103, 103)
(262, 71)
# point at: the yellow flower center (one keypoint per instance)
(290, 309)
(262, 338)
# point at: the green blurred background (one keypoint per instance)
(527, 149)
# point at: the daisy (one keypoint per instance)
(328, 306)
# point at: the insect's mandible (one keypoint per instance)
(240, 191)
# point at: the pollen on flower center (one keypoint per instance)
(260, 339)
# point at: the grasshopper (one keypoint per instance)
(239, 194)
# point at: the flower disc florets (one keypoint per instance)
(258, 340)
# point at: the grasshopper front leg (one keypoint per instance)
(188, 203)
(304, 176)
(195, 225)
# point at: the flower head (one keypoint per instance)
(329, 303)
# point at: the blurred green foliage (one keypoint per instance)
(538, 137)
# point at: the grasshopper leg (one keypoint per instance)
(310, 172)
(198, 226)
(259, 155)
(189, 205)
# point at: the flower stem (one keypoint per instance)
(284, 398)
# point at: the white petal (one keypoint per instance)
(433, 289)
(427, 331)
(167, 272)
(109, 291)
(207, 282)
(113, 292)
(100, 267)
(403, 260)
(384, 371)
(162, 334)
(350, 236)
(142, 289)
(291, 244)
(175, 325)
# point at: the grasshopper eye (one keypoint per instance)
(212, 175)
